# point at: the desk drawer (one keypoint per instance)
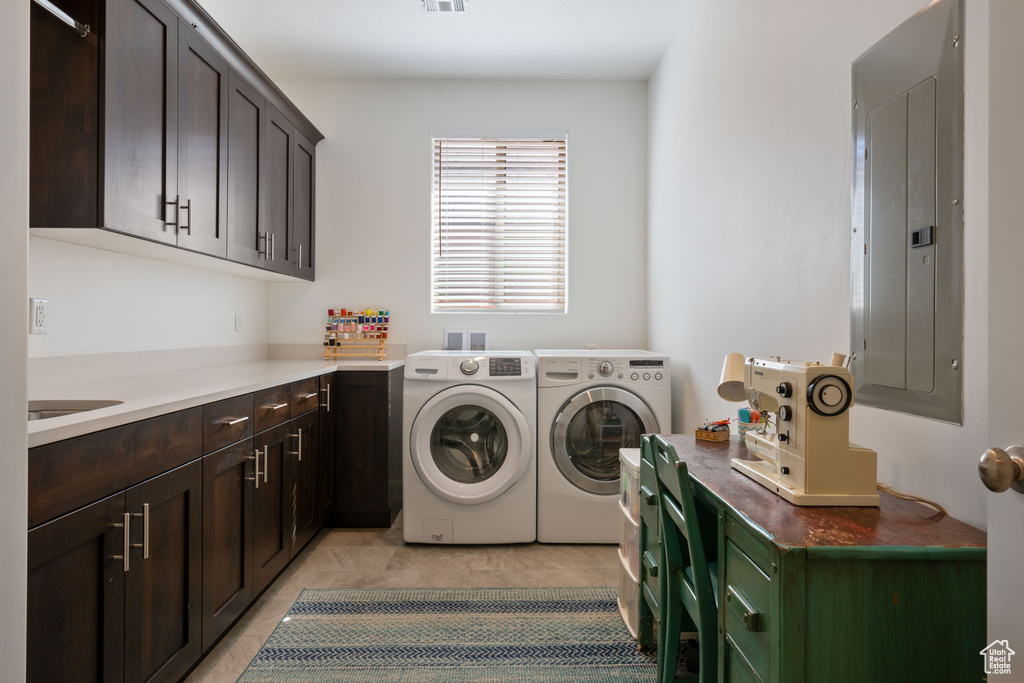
(747, 595)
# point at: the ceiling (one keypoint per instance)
(572, 39)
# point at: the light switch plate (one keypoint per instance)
(37, 316)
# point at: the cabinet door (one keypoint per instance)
(369, 472)
(246, 121)
(271, 526)
(140, 154)
(162, 591)
(76, 596)
(228, 485)
(303, 203)
(328, 457)
(202, 145)
(277, 200)
(304, 516)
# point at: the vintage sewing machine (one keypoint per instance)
(809, 459)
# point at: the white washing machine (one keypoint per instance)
(469, 467)
(589, 405)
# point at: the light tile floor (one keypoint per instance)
(378, 558)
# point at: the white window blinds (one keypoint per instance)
(499, 224)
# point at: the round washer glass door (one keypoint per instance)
(590, 429)
(469, 444)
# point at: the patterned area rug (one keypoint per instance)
(453, 635)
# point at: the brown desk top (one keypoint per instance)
(895, 523)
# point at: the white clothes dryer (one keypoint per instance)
(590, 404)
(469, 467)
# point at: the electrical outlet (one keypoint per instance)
(37, 316)
(238, 321)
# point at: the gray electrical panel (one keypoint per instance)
(906, 309)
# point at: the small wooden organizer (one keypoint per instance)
(712, 436)
(356, 334)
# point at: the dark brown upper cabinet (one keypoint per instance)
(203, 86)
(157, 126)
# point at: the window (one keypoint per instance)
(499, 223)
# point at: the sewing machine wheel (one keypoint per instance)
(829, 395)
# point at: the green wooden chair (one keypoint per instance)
(689, 583)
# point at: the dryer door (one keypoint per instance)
(590, 429)
(469, 444)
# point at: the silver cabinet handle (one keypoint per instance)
(127, 546)
(328, 403)
(257, 459)
(306, 397)
(186, 228)
(1002, 469)
(266, 463)
(279, 406)
(299, 451)
(177, 215)
(272, 241)
(145, 531)
(265, 238)
(237, 420)
(300, 257)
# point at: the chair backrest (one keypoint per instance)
(679, 519)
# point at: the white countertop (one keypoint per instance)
(146, 396)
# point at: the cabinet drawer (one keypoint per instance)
(745, 605)
(226, 422)
(271, 407)
(305, 395)
(66, 475)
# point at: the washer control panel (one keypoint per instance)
(505, 367)
(645, 371)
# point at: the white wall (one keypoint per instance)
(13, 325)
(749, 219)
(100, 301)
(373, 206)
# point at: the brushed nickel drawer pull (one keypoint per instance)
(299, 451)
(126, 525)
(237, 420)
(306, 397)
(278, 406)
(266, 463)
(145, 531)
(328, 403)
(257, 459)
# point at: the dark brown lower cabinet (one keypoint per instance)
(76, 596)
(97, 615)
(270, 525)
(369, 449)
(228, 581)
(302, 474)
(328, 439)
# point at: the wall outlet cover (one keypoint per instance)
(37, 316)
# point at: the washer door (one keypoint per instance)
(469, 444)
(590, 429)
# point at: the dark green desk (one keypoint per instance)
(816, 594)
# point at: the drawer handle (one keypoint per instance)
(237, 420)
(328, 403)
(278, 406)
(649, 496)
(650, 564)
(741, 605)
(306, 397)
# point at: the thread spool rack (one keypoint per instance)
(352, 334)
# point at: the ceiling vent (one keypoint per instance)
(445, 5)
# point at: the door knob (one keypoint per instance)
(1000, 470)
